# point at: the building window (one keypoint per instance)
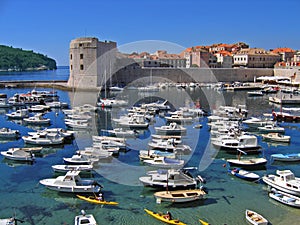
(80, 45)
(81, 56)
(71, 67)
(70, 56)
(81, 67)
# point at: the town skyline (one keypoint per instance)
(48, 27)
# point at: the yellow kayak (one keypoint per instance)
(162, 218)
(92, 199)
(203, 222)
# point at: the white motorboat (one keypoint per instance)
(95, 153)
(54, 131)
(244, 142)
(277, 137)
(169, 145)
(37, 119)
(72, 182)
(151, 154)
(66, 168)
(9, 133)
(179, 195)
(39, 108)
(254, 122)
(173, 129)
(19, 114)
(285, 198)
(56, 104)
(255, 218)
(164, 162)
(108, 138)
(18, 155)
(178, 118)
(79, 117)
(29, 149)
(116, 89)
(110, 144)
(271, 129)
(135, 122)
(77, 124)
(85, 219)
(44, 139)
(284, 180)
(121, 132)
(168, 178)
(111, 102)
(80, 159)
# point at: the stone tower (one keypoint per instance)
(90, 60)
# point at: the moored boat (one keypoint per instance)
(255, 218)
(66, 168)
(292, 157)
(18, 155)
(170, 178)
(164, 162)
(244, 174)
(9, 133)
(284, 180)
(187, 195)
(248, 163)
(72, 182)
(285, 198)
(85, 219)
(277, 137)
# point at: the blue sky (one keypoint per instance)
(48, 26)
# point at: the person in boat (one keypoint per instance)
(100, 197)
(168, 216)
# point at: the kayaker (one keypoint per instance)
(100, 197)
(168, 216)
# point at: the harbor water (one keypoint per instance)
(227, 197)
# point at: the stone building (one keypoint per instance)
(255, 58)
(90, 60)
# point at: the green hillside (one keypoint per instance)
(16, 59)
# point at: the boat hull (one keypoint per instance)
(92, 199)
(180, 195)
(162, 218)
(284, 188)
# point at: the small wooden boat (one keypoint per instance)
(179, 195)
(285, 198)
(93, 199)
(255, 218)
(243, 174)
(247, 163)
(286, 157)
(86, 219)
(163, 218)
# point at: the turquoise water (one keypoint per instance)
(227, 198)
